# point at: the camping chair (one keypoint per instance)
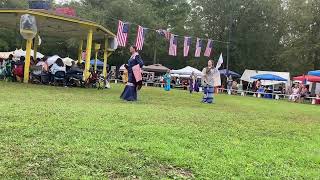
(36, 74)
(59, 77)
(45, 78)
(75, 78)
(92, 80)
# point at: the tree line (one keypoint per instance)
(279, 35)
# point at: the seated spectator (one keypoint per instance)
(125, 75)
(93, 77)
(318, 99)
(261, 91)
(2, 63)
(18, 70)
(43, 63)
(58, 66)
(304, 94)
(9, 65)
(75, 74)
(295, 93)
(32, 61)
(269, 92)
(234, 87)
(2, 68)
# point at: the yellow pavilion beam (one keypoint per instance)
(80, 51)
(86, 72)
(105, 58)
(27, 61)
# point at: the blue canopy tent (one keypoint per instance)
(314, 73)
(99, 63)
(226, 73)
(269, 77)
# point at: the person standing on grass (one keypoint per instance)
(192, 82)
(208, 82)
(135, 64)
(167, 81)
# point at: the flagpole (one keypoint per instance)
(155, 50)
(228, 44)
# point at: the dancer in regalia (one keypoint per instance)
(130, 91)
(167, 81)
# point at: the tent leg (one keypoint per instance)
(86, 73)
(27, 62)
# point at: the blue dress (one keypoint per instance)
(130, 91)
(167, 80)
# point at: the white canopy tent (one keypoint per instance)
(246, 76)
(5, 55)
(187, 71)
(19, 52)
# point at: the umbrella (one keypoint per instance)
(314, 73)
(67, 61)
(51, 60)
(307, 78)
(269, 77)
(233, 74)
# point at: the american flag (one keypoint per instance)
(198, 47)
(207, 53)
(122, 35)
(164, 33)
(187, 44)
(173, 45)
(140, 37)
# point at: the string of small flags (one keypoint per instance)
(123, 32)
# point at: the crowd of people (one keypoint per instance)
(297, 93)
(60, 74)
(41, 72)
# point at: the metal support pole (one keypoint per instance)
(96, 60)
(105, 58)
(27, 62)
(155, 51)
(86, 72)
(80, 51)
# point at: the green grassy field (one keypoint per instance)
(72, 133)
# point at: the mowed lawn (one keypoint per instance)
(73, 133)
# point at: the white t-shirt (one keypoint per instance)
(55, 68)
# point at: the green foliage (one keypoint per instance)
(268, 35)
(72, 133)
